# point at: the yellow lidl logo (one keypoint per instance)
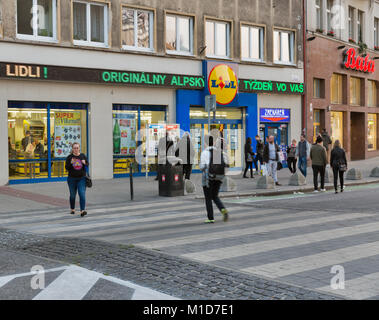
(223, 83)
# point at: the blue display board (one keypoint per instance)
(274, 115)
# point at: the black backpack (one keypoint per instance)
(216, 170)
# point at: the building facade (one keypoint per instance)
(342, 74)
(114, 75)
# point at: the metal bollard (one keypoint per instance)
(131, 182)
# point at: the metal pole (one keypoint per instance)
(131, 182)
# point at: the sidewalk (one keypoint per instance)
(117, 191)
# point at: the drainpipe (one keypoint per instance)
(304, 109)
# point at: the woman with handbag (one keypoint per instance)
(76, 164)
(249, 158)
(338, 163)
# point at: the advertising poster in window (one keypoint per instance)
(67, 130)
(124, 134)
(156, 132)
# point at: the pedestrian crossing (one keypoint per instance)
(293, 246)
(73, 283)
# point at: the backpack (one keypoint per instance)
(216, 170)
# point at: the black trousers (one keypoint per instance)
(316, 171)
(292, 164)
(257, 158)
(248, 165)
(211, 194)
(337, 173)
(187, 170)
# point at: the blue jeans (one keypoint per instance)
(303, 165)
(77, 185)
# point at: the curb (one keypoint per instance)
(284, 192)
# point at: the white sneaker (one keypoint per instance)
(315, 191)
(323, 190)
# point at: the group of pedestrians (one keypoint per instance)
(299, 154)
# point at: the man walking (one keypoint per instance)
(259, 152)
(303, 153)
(319, 161)
(271, 158)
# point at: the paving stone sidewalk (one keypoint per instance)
(174, 276)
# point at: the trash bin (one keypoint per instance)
(171, 183)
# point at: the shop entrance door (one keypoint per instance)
(279, 131)
(230, 130)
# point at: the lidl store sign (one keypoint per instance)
(274, 115)
(223, 83)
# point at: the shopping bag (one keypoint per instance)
(264, 170)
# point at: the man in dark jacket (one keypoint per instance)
(271, 158)
(319, 161)
(259, 153)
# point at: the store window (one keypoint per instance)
(336, 85)
(318, 88)
(179, 34)
(284, 46)
(355, 91)
(37, 20)
(218, 39)
(372, 131)
(372, 94)
(41, 136)
(136, 127)
(137, 29)
(336, 126)
(252, 43)
(316, 123)
(90, 24)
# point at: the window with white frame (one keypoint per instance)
(37, 20)
(360, 26)
(252, 43)
(90, 24)
(329, 17)
(179, 34)
(218, 39)
(137, 29)
(318, 4)
(284, 46)
(351, 23)
(376, 33)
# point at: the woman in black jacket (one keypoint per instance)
(76, 164)
(249, 158)
(338, 163)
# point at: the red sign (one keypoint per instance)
(355, 62)
(176, 178)
(163, 178)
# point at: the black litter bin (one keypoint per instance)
(171, 183)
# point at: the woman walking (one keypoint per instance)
(338, 163)
(291, 156)
(76, 164)
(249, 158)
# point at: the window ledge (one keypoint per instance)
(252, 60)
(37, 39)
(90, 44)
(219, 57)
(180, 53)
(289, 64)
(137, 49)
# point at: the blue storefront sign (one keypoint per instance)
(274, 115)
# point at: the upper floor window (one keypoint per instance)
(179, 34)
(318, 4)
(284, 46)
(336, 86)
(137, 29)
(376, 32)
(252, 43)
(37, 20)
(360, 26)
(355, 91)
(90, 24)
(218, 39)
(372, 94)
(318, 88)
(351, 23)
(329, 16)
